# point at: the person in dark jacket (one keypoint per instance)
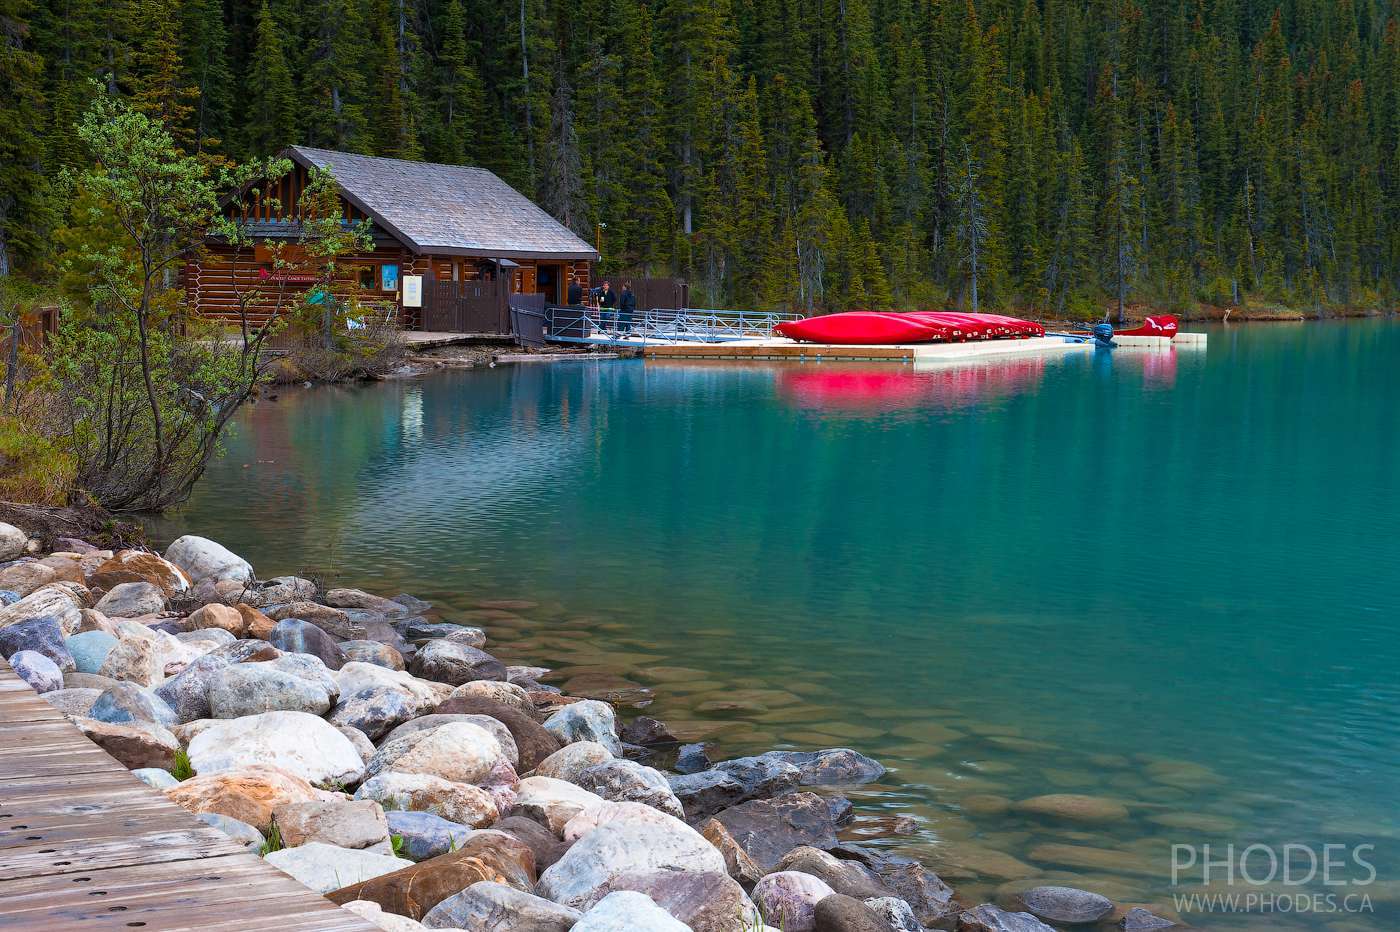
(607, 304)
(575, 292)
(625, 308)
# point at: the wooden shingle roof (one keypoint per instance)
(447, 209)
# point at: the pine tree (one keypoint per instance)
(21, 143)
(461, 100)
(333, 85)
(207, 74)
(271, 113)
(156, 76)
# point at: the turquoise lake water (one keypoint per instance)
(1166, 579)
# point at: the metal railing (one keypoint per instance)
(572, 324)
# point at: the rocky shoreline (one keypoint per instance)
(379, 754)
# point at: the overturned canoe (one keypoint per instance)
(864, 328)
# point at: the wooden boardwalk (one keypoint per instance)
(85, 845)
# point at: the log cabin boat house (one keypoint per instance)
(452, 243)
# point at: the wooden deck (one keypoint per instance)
(84, 845)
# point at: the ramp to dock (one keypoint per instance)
(84, 845)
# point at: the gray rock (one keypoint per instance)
(374, 711)
(989, 918)
(90, 649)
(324, 867)
(43, 635)
(589, 720)
(309, 667)
(76, 680)
(706, 793)
(419, 630)
(156, 778)
(203, 559)
(788, 900)
(218, 636)
(896, 912)
(302, 637)
(625, 911)
(338, 624)
(569, 762)
(13, 541)
(832, 767)
(706, 902)
(627, 781)
(249, 688)
(381, 655)
(1066, 904)
(425, 834)
(132, 600)
(358, 598)
(36, 669)
(762, 777)
(127, 703)
(647, 732)
(1138, 919)
(428, 722)
(930, 898)
(617, 847)
(359, 739)
(495, 907)
(446, 661)
(72, 701)
(767, 829)
(850, 878)
(691, 758)
(842, 810)
(348, 823)
(188, 691)
(241, 832)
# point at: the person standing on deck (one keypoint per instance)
(625, 308)
(575, 291)
(607, 302)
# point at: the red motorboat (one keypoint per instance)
(864, 328)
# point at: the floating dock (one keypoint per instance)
(779, 348)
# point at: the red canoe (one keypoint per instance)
(864, 328)
(1160, 325)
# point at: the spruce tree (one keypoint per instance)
(270, 123)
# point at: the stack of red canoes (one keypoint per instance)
(888, 328)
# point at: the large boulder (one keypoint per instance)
(349, 823)
(425, 834)
(847, 877)
(188, 691)
(374, 710)
(417, 888)
(136, 656)
(89, 649)
(326, 868)
(205, 560)
(570, 761)
(127, 703)
(425, 694)
(250, 795)
(1066, 904)
(218, 617)
(496, 691)
(446, 661)
(628, 781)
(43, 635)
(605, 812)
(618, 847)
(762, 777)
(132, 600)
(552, 803)
(626, 911)
(36, 669)
(417, 792)
(138, 566)
(135, 744)
(589, 720)
(250, 688)
(428, 722)
(302, 637)
(704, 901)
(60, 602)
(358, 598)
(495, 907)
(333, 621)
(841, 913)
(457, 751)
(297, 742)
(381, 655)
(707, 792)
(767, 829)
(24, 577)
(788, 900)
(13, 541)
(532, 741)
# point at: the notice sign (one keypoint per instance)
(413, 291)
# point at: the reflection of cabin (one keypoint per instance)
(469, 239)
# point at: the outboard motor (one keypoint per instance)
(1103, 335)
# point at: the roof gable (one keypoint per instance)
(447, 209)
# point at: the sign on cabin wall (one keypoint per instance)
(413, 291)
(282, 276)
(388, 277)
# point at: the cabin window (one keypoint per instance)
(369, 276)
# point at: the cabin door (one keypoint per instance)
(547, 282)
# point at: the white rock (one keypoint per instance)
(573, 759)
(132, 600)
(13, 541)
(616, 847)
(553, 802)
(790, 898)
(626, 911)
(203, 559)
(418, 792)
(324, 867)
(58, 599)
(608, 811)
(457, 751)
(355, 676)
(372, 912)
(589, 720)
(297, 742)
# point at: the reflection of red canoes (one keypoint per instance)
(863, 327)
(840, 387)
(1160, 325)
